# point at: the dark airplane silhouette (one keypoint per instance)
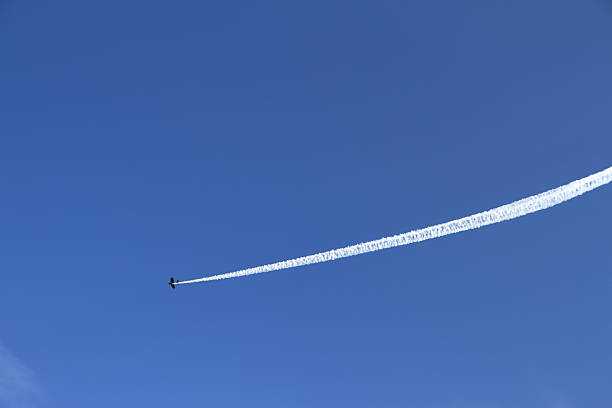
(172, 282)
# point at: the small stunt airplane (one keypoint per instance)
(172, 282)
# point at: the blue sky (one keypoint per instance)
(144, 139)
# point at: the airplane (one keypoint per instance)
(172, 282)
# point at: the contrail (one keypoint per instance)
(506, 212)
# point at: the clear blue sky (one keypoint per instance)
(144, 139)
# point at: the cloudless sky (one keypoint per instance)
(146, 139)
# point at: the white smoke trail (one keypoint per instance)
(505, 212)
